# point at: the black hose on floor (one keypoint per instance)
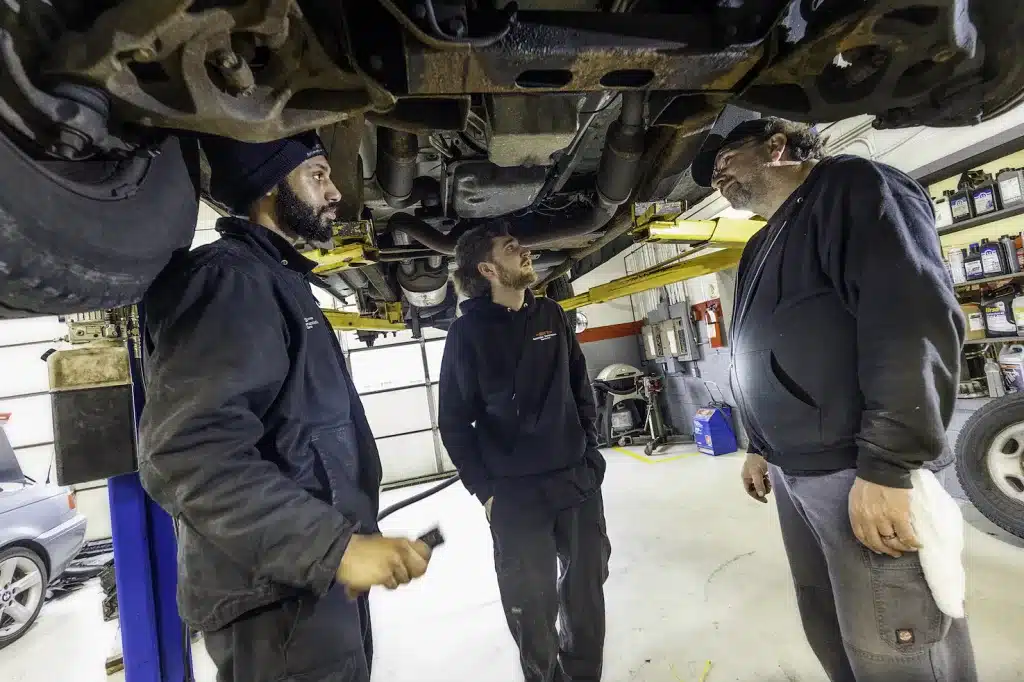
(417, 497)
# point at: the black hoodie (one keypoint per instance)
(846, 332)
(517, 413)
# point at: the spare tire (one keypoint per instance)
(990, 462)
(560, 289)
(90, 235)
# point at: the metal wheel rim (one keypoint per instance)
(21, 590)
(1005, 460)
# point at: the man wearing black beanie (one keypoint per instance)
(254, 439)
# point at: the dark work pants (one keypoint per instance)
(868, 617)
(553, 566)
(299, 640)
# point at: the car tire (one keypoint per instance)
(990, 462)
(560, 289)
(29, 557)
(91, 235)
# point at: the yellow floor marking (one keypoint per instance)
(703, 677)
(653, 460)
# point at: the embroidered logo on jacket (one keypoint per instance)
(311, 322)
(544, 335)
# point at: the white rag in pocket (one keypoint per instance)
(940, 529)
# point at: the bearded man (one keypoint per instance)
(517, 416)
(253, 436)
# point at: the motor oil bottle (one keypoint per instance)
(960, 205)
(1011, 362)
(976, 320)
(1018, 313)
(1011, 186)
(999, 320)
(972, 264)
(1010, 253)
(994, 379)
(985, 197)
(993, 259)
(956, 266)
(943, 214)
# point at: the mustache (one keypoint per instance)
(324, 210)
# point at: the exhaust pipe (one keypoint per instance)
(396, 166)
(616, 177)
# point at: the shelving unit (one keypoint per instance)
(982, 220)
(996, 339)
(988, 280)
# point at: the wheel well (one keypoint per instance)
(35, 547)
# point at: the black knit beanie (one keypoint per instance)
(242, 172)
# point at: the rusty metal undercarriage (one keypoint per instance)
(264, 69)
(554, 114)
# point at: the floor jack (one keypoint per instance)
(658, 434)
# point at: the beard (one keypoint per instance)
(305, 221)
(516, 279)
(739, 195)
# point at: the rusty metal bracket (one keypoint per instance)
(252, 70)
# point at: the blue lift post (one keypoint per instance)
(154, 645)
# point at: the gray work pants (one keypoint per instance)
(868, 617)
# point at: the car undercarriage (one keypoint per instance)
(554, 115)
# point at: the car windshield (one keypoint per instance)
(10, 469)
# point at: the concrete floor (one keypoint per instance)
(697, 574)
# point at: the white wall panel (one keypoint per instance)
(405, 457)
(22, 369)
(397, 411)
(31, 329)
(31, 420)
(383, 368)
(94, 503)
(37, 463)
(435, 352)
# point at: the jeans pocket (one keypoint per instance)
(908, 619)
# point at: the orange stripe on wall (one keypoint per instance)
(611, 331)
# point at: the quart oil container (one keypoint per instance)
(972, 264)
(1011, 362)
(943, 214)
(1018, 314)
(1011, 186)
(999, 320)
(975, 320)
(960, 205)
(985, 198)
(993, 259)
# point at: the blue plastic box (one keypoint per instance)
(712, 430)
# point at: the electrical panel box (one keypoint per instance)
(652, 342)
(672, 338)
(678, 340)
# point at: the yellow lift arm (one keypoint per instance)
(389, 319)
(634, 284)
(728, 234)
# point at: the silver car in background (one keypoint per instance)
(41, 531)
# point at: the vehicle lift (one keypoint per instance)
(101, 376)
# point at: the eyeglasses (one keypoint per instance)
(729, 149)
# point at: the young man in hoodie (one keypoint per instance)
(517, 416)
(846, 342)
(253, 437)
